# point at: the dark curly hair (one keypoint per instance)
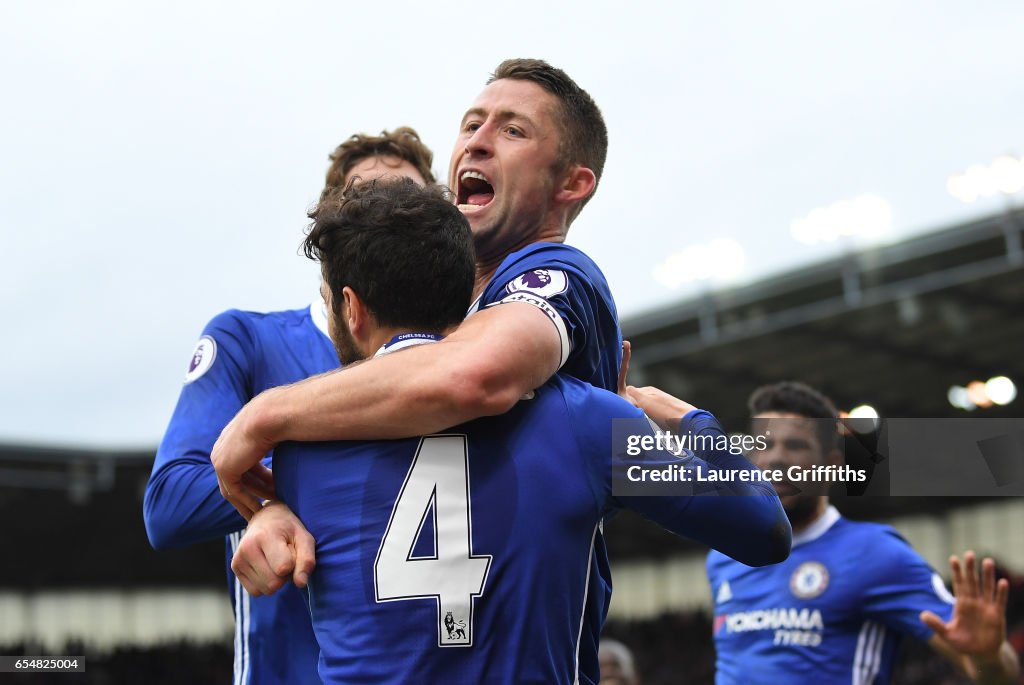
(403, 143)
(405, 249)
(795, 397)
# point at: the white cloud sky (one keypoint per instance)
(157, 160)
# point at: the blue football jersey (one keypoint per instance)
(834, 612)
(239, 355)
(465, 557)
(570, 288)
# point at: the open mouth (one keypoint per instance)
(474, 192)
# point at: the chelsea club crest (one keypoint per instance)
(809, 580)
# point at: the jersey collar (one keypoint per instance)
(318, 312)
(475, 307)
(818, 528)
(404, 340)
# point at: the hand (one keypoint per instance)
(244, 480)
(664, 409)
(978, 625)
(275, 546)
(627, 350)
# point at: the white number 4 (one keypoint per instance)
(438, 482)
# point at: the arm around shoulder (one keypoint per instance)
(480, 370)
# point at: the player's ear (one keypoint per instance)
(835, 458)
(576, 185)
(354, 311)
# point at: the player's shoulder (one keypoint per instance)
(867, 531)
(889, 552)
(254, 321)
(717, 562)
(550, 256)
(581, 397)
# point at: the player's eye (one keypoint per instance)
(514, 131)
(471, 126)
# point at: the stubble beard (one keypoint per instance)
(801, 510)
(344, 344)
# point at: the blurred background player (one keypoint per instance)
(239, 355)
(837, 609)
(617, 666)
(425, 544)
(529, 155)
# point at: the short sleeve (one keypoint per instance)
(901, 585)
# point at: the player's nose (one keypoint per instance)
(481, 142)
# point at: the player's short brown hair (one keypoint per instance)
(403, 143)
(584, 134)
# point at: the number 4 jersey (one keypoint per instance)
(465, 557)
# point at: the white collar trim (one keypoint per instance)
(818, 528)
(401, 345)
(318, 312)
(475, 307)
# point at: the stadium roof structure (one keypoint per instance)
(892, 326)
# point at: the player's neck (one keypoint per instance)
(486, 267)
(805, 522)
(484, 274)
(382, 337)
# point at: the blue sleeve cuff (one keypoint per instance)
(700, 422)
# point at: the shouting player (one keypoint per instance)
(529, 154)
(837, 609)
(464, 557)
(239, 355)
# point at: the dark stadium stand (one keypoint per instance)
(90, 502)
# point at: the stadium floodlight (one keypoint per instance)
(998, 390)
(977, 395)
(865, 216)
(958, 397)
(864, 411)
(863, 419)
(720, 260)
(1001, 390)
(1004, 175)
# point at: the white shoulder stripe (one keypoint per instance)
(552, 314)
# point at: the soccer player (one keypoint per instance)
(239, 355)
(528, 156)
(464, 557)
(837, 609)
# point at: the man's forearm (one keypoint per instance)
(411, 393)
(482, 369)
(182, 506)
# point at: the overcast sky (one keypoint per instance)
(158, 159)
